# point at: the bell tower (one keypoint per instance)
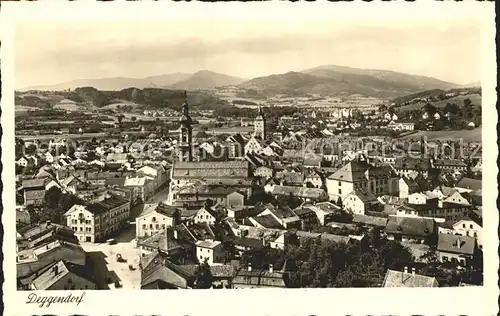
(185, 146)
(260, 125)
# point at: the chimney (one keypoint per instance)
(406, 270)
(271, 268)
(413, 271)
(459, 243)
(175, 234)
(249, 267)
(48, 222)
(55, 269)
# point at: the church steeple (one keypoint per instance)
(185, 146)
(260, 125)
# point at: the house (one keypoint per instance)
(222, 274)
(209, 250)
(405, 279)
(205, 215)
(156, 172)
(468, 185)
(449, 164)
(197, 195)
(457, 198)
(401, 126)
(324, 211)
(410, 229)
(93, 222)
(64, 276)
(307, 217)
(466, 226)
(422, 198)
(457, 249)
(254, 145)
(370, 221)
(34, 197)
(143, 188)
(265, 221)
(22, 215)
(263, 172)
(284, 216)
(407, 186)
(306, 194)
(23, 162)
(314, 179)
(261, 278)
(406, 166)
(360, 175)
(360, 201)
(158, 272)
(156, 219)
(165, 240)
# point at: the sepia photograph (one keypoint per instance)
(233, 151)
(267, 157)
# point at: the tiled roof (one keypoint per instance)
(208, 243)
(404, 279)
(298, 191)
(364, 195)
(166, 210)
(218, 271)
(456, 244)
(370, 220)
(468, 183)
(260, 278)
(157, 267)
(413, 226)
(267, 221)
(34, 183)
(163, 241)
(206, 169)
(35, 194)
(351, 172)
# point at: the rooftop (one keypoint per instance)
(404, 279)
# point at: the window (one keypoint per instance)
(463, 225)
(150, 226)
(475, 234)
(340, 191)
(163, 226)
(340, 183)
(201, 257)
(81, 229)
(154, 219)
(470, 226)
(157, 226)
(445, 259)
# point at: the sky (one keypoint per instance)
(55, 52)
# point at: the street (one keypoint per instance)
(102, 256)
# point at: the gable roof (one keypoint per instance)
(403, 279)
(456, 244)
(468, 183)
(208, 169)
(268, 221)
(414, 226)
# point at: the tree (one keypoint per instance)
(203, 275)
(52, 197)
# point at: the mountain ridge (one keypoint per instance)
(330, 80)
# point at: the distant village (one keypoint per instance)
(310, 203)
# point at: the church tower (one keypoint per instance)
(185, 144)
(260, 125)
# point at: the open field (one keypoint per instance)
(459, 100)
(467, 135)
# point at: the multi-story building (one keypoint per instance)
(361, 175)
(94, 222)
